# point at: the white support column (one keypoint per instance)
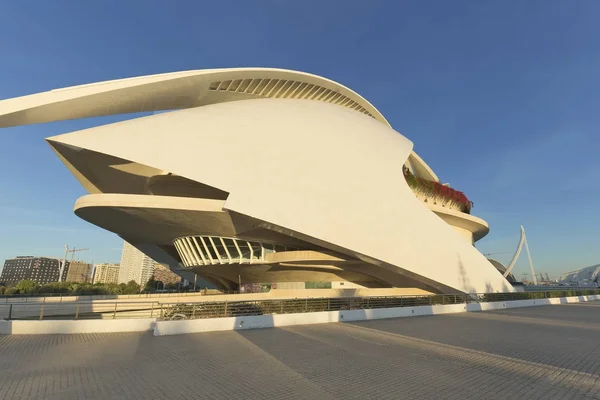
(212, 243)
(199, 250)
(187, 251)
(212, 261)
(251, 252)
(180, 252)
(226, 249)
(193, 251)
(238, 250)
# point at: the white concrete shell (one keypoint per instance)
(326, 175)
(186, 89)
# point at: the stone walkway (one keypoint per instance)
(550, 352)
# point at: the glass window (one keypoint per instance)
(197, 245)
(268, 248)
(230, 244)
(220, 249)
(257, 250)
(245, 249)
(212, 254)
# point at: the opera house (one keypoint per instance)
(263, 175)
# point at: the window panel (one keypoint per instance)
(257, 250)
(231, 247)
(219, 249)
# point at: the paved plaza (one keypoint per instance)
(550, 352)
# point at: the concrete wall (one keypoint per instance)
(270, 321)
(290, 285)
(499, 305)
(468, 235)
(80, 326)
(345, 285)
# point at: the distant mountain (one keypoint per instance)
(587, 274)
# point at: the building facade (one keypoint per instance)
(106, 273)
(41, 270)
(301, 180)
(79, 272)
(135, 265)
(165, 275)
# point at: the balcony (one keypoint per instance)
(434, 193)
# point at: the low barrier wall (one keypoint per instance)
(499, 305)
(81, 326)
(322, 317)
(270, 321)
(161, 328)
(248, 322)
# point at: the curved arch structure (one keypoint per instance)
(513, 262)
(260, 156)
(522, 241)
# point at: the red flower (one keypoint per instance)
(437, 189)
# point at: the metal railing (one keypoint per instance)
(40, 297)
(79, 310)
(290, 306)
(222, 309)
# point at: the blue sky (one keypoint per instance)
(500, 98)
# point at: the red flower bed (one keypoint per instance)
(437, 189)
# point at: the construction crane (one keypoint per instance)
(64, 263)
(73, 252)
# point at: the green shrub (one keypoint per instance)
(11, 290)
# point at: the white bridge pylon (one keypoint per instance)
(518, 252)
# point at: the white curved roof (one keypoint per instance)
(177, 90)
(587, 274)
(186, 89)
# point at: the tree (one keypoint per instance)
(73, 287)
(11, 290)
(150, 285)
(131, 288)
(26, 286)
(55, 287)
(111, 288)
